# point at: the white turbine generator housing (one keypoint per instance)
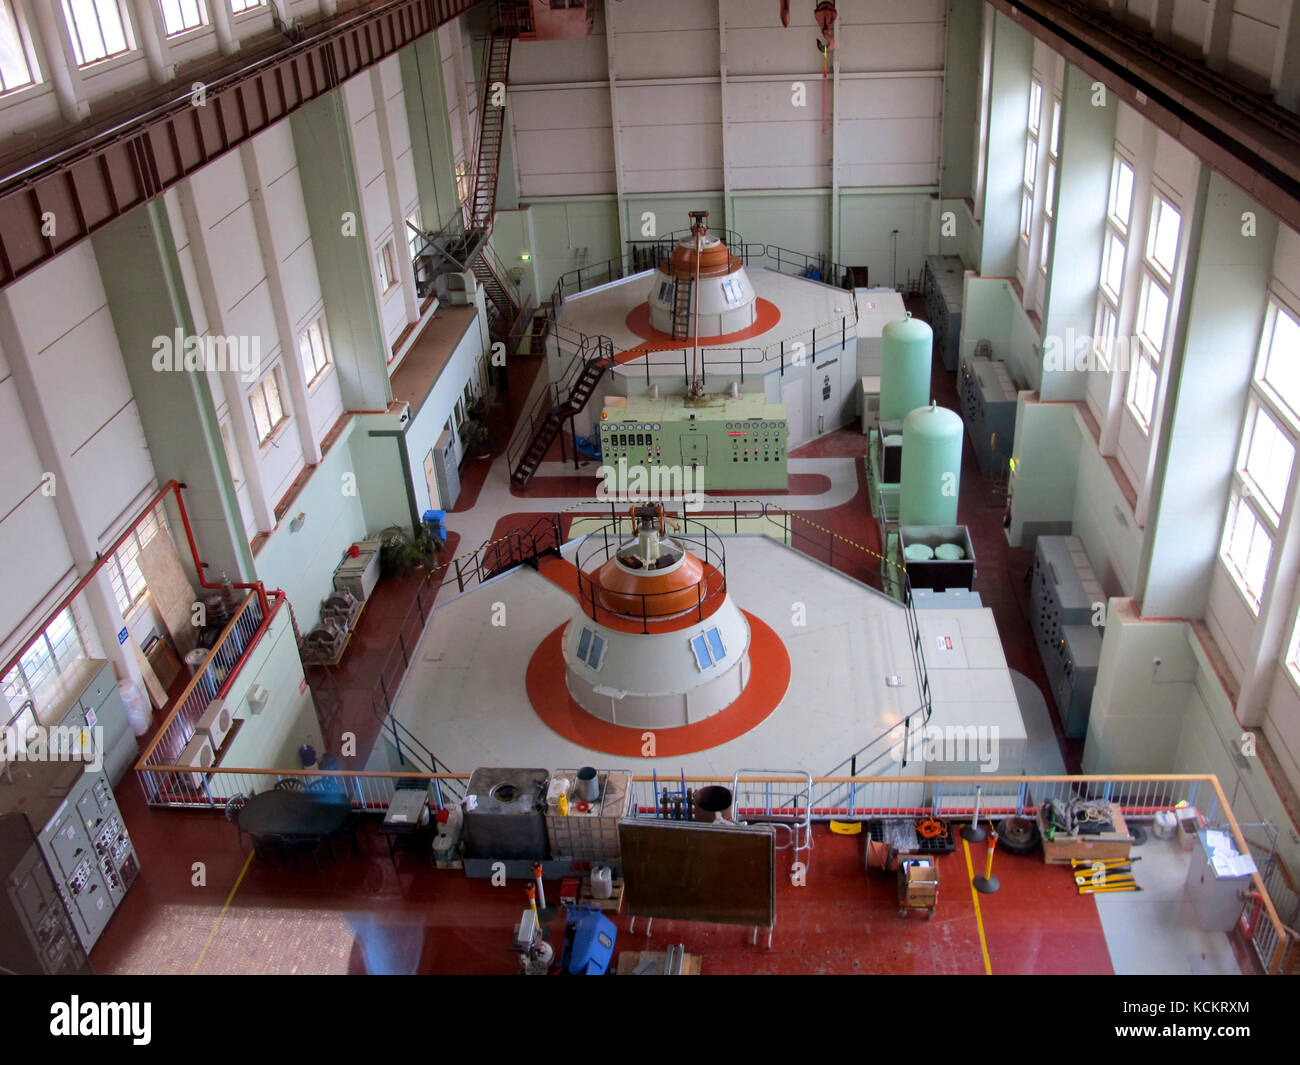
(703, 279)
(657, 642)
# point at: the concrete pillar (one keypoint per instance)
(1004, 160)
(58, 60)
(1083, 185)
(294, 372)
(1216, 338)
(151, 39)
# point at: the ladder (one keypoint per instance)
(683, 288)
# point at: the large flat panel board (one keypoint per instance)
(689, 871)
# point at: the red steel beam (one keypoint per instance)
(112, 173)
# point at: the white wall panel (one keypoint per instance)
(111, 469)
(543, 62)
(33, 538)
(233, 254)
(82, 381)
(20, 472)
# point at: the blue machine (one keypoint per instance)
(588, 942)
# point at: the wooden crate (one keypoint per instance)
(613, 904)
(1106, 845)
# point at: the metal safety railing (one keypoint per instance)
(796, 799)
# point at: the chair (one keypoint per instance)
(233, 805)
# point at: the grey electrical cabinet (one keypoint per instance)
(943, 281)
(36, 936)
(80, 833)
(988, 407)
(1063, 603)
(99, 705)
(1215, 898)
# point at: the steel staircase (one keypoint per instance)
(539, 430)
(491, 130)
(502, 307)
(682, 290)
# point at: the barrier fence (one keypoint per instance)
(791, 798)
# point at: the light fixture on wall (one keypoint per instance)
(298, 522)
(525, 256)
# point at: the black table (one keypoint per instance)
(294, 817)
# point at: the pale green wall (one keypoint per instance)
(1047, 463)
(270, 739)
(381, 484)
(343, 261)
(146, 294)
(961, 89)
(1138, 707)
(302, 563)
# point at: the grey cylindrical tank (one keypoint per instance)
(904, 367)
(931, 477)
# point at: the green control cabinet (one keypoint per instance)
(737, 443)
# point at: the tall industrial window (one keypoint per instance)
(240, 6)
(1262, 476)
(232, 454)
(180, 16)
(268, 410)
(98, 29)
(1152, 325)
(54, 652)
(314, 349)
(1110, 288)
(386, 261)
(124, 564)
(1033, 125)
(1049, 190)
(15, 65)
(414, 240)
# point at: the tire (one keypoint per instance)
(1018, 835)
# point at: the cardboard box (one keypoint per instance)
(1105, 845)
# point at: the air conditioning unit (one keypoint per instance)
(196, 753)
(215, 723)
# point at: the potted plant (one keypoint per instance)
(402, 550)
(475, 433)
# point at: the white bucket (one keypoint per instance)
(1164, 824)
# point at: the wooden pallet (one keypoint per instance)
(613, 904)
(630, 960)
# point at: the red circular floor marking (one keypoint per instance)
(638, 320)
(769, 678)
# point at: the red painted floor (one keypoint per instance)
(845, 920)
(416, 919)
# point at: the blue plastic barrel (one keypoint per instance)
(436, 520)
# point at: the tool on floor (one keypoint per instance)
(988, 883)
(1108, 890)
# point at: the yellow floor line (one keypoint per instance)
(230, 898)
(979, 918)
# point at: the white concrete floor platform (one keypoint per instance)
(804, 305)
(1153, 931)
(464, 696)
